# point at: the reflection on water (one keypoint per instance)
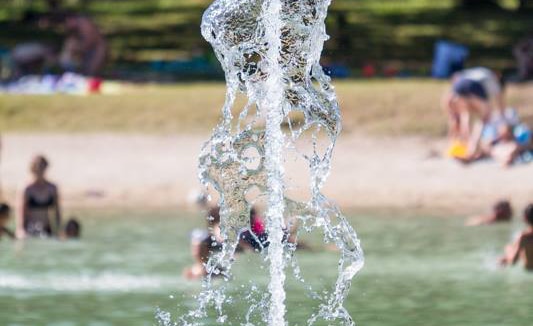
(81, 283)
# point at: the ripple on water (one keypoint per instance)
(107, 282)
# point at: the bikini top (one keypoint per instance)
(34, 202)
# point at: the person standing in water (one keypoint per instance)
(40, 213)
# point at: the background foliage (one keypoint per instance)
(385, 32)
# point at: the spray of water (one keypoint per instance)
(270, 52)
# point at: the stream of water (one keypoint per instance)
(270, 52)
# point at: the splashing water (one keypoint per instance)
(270, 51)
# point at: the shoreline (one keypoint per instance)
(99, 170)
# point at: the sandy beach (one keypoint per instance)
(105, 170)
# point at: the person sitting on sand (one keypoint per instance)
(5, 213)
(203, 246)
(522, 248)
(505, 149)
(40, 213)
(31, 58)
(502, 211)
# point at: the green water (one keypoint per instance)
(420, 270)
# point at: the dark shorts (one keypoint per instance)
(470, 88)
(258, 242)
(261, 241)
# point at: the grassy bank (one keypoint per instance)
(409, 107)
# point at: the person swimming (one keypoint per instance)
(502, 211)
(5, 212)
(40, 214)
(522, 248)
(72, 229)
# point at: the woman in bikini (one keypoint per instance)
(40, 214)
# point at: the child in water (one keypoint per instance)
(203, 246)
(256, 237)
(502, 211)
(522, 248)
(72, 229)
(5, 212)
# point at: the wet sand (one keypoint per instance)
(103, 170)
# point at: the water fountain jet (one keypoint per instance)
(270, 51)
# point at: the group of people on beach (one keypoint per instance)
(480, 125)
(39, 213)
(84, 49)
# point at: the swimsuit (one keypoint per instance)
(34, 202)
(34, 226)
(467, 87)
(488, 80)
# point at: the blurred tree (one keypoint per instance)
(343, 32)
(526, 5)
(54, 5)
(84, 4)
(478, 4)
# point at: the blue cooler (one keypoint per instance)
(449, 58)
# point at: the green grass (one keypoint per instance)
(393, 107)
(386, 31)
(421, 270)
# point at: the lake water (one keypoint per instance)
(421, 270)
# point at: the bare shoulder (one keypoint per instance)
(52, 186)
(30, 187)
